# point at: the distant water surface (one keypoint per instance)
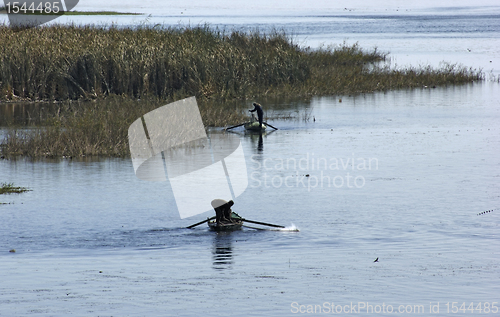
(401, 176)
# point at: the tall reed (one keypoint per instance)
(70, 62)
(91, 128)
(76, 64)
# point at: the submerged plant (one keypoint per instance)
(9, 188)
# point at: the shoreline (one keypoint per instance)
(128, 72)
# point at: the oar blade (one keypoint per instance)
(270, 125)
(263, 223)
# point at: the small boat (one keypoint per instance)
(236, 223)
(254, 125)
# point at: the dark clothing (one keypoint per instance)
(260, 113)
(223, 212)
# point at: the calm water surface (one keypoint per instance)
(92, 239)
(399, 176)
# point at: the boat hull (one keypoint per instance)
(227, 226)
(255, 126)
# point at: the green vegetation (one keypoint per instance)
(69, 62)
(97, 128)
(115, 67)
(11, 189)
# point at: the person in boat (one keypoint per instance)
(222, 210)
(260, 113)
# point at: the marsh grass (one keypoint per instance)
(9, 188)
(79, 129)
(70, 63)
(77, 66)
(92, 128)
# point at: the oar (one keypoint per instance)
(199, 223)
(263, 223)
(269, 125)
(255, 228)
(235, 126)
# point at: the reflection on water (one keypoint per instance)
(260, 145)
(222, 251)
(256, 139)
(417, 212)
(25, 113)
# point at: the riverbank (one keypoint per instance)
(117, 67)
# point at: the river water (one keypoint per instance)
(401, 176)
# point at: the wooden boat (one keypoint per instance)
(254, 125)
(236, 223)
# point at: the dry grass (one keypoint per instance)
(91, 128)
(118, 66)
(69, 62)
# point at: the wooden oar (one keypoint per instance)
(262, 223)
(235, 126)
(199, 223)
(255, 228)
(269, 125)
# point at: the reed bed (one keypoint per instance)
(117, 66)
(92, 128)
(70, 62)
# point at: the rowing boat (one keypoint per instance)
(236, 223)
(254, 125)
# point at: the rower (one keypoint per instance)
(260, 113)
(222, 210)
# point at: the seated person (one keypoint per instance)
(222, 210)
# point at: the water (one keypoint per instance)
(399, 176)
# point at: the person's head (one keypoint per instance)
(256, 104)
